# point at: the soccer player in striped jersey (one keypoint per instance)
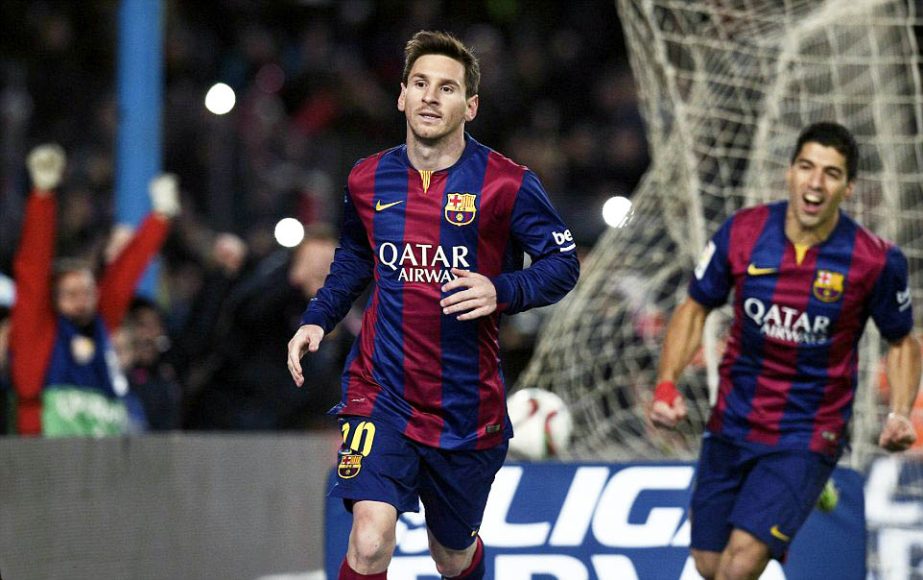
(805, 279)
(439, 226)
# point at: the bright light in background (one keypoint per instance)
(220, 99)
(616, 211)
(289, 232)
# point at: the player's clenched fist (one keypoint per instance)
(898, 433)
(669, 407)
(307, 339)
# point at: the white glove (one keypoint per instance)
(46, 166)
(164, 192)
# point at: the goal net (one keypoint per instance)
(725, 87)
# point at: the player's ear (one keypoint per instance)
(849, 189)
(402, 98)
(472, 109)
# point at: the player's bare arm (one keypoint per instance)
(903, 368)
(478, 299)
(307, 339)
(684, 335)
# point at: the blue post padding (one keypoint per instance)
(139, 139)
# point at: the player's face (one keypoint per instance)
(817, 184)
(149, 338)
(433, 100)
(76, 296)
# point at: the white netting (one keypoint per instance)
(725, 86)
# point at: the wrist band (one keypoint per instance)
(666, 392)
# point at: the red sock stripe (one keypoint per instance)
(347, 573)
(475, 559)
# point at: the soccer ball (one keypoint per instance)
(829, 497)
(542, 425)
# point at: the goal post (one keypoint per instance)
(725, 86)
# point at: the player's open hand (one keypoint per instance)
(669, 407)
(898, 433)
(307, 339)
(478, 299)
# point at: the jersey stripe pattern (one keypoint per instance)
(789, 371)
(435, 378)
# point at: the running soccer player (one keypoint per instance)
(806, 278)
(440, 224)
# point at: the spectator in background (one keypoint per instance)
(241, 321)
(151, 376)
(64, 370)
(7, 295)
(5, 386)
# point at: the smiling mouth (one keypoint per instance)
(812, 202)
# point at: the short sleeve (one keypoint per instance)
(711, 282)
(891, 304)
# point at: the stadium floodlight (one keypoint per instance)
(616, 211)
(289, 232)
(220, 99)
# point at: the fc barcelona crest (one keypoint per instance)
(460, 208)
(349, 466)
(828, 286)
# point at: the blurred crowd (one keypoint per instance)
(316, 84)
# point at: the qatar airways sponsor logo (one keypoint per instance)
(787, 324)
(428, 263)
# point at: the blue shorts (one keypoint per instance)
(377, 462)
(765, 491)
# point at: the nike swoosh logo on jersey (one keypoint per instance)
(383, 206)
(754, 270)
(778, 534)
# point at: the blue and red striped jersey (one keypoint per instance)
(789, 373)
(435, 378)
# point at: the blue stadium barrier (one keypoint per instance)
(582, 521)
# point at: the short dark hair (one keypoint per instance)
(63, 266)
(428, 42)
(830, 134)
(139, 303)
